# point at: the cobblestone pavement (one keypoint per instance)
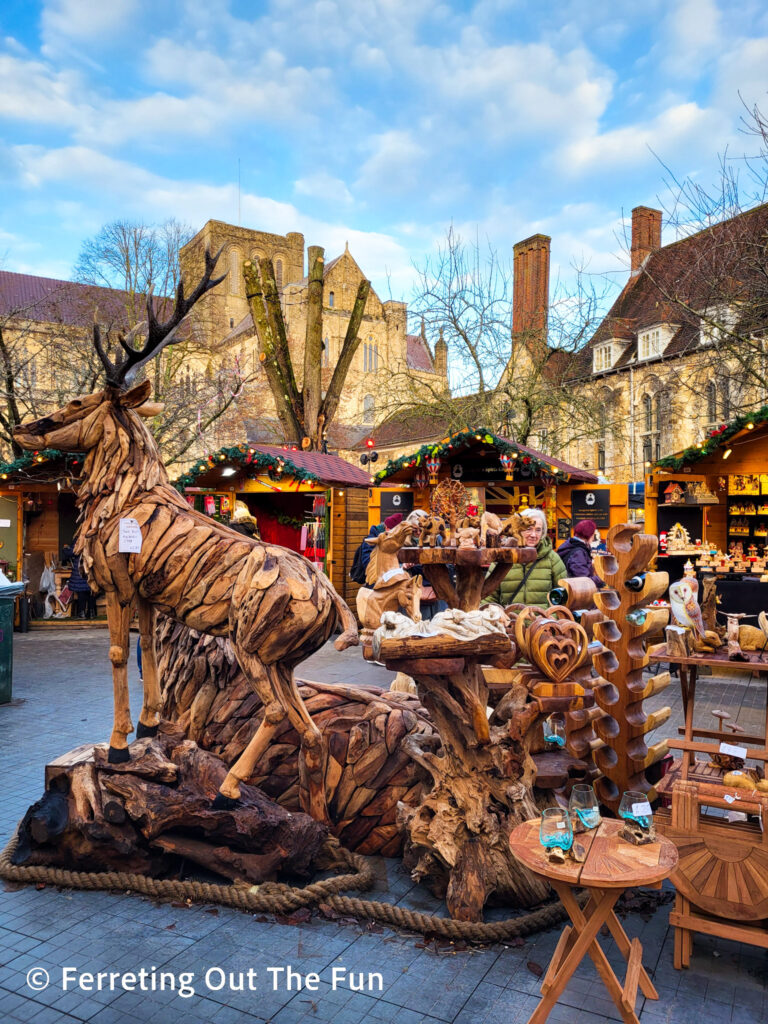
(62, 697)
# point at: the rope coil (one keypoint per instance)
(279, 898)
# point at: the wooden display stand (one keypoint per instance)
(620, 695)
(722, 875)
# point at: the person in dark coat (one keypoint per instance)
(78, 584)
(577, 554)
(243, 522)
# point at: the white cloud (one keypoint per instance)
(325, 187)
(84, 20)
(678, 130)
(692, 36)
(32, 91)
(394, 164)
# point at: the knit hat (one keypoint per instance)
(394, 520)
(585, 529)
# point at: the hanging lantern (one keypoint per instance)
(433, 465)
(506, 465)
(420, 478)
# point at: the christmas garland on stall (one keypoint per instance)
(254, 462)
(463, 439)
(72, 461)
(714, 440)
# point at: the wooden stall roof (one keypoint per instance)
(403, 469)
(745, 428)
(318, 468)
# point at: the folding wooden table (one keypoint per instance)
(611, 866)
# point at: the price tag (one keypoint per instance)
(728, 748)
(729, 799)
(642, 810)
(560, 824)
(129, 537)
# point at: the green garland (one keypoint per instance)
(253, 461)
(716, 439)
(463, 439)
(35, 458)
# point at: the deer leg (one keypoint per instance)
(313, 757)
(229, 791)
(119, 617)
(150, 710)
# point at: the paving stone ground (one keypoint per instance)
(63, 697)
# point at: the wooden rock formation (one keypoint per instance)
(144, 815)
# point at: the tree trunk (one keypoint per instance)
(348, 349)
(313, 348)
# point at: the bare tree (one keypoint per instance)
(517, 384)
(303, 411)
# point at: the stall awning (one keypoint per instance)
(331, 469)
(280, 462)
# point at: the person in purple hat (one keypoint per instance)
(577, 554)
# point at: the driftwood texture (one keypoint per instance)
(368, 771)
(143, 815)
(274, 605)
(621, 690)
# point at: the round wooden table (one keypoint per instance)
(611, 866)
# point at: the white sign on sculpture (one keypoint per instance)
(129, 538)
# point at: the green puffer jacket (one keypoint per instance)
(545, 574)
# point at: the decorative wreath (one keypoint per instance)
(450, 500)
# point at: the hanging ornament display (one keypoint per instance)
(506, 465)
(420, 478)
(433, 466)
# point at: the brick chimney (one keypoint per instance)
(530, 297)
(646, 234)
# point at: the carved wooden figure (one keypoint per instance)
(390, 588)
(273, 604)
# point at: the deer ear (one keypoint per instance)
(136, 396)
(150, 409)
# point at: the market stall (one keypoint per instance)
(709, 503)
(501, 476)
(311, 502)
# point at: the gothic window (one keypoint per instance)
(279, 273)
(725, 398)
(648, 412)
(711, 402)
(370, 357)
(331, 299)
(601, 458)
(647, 449)
(233, 278)
(369, 409)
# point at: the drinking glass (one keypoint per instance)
(634, 806)
(583, 805)
(555, 829)
(554, 730)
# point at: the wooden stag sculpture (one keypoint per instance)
(276, 608)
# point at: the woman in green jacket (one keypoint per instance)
(530, 584)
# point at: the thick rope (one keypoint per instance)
(277, 898)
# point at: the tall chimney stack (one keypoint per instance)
(646, 234)
(530, 295)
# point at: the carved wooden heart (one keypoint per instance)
(526, 616)
(558, 647)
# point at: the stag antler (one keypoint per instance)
(158, 334)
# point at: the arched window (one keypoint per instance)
(648, 412)
(725, 398)
(369, 409)
(279, 273)
(233, 278)
(711, 402)
(331, 299)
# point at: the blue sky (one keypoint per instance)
(374, 121)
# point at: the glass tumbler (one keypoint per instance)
(555, 829)
(584, 806)
(554, 730)
(634, 806)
